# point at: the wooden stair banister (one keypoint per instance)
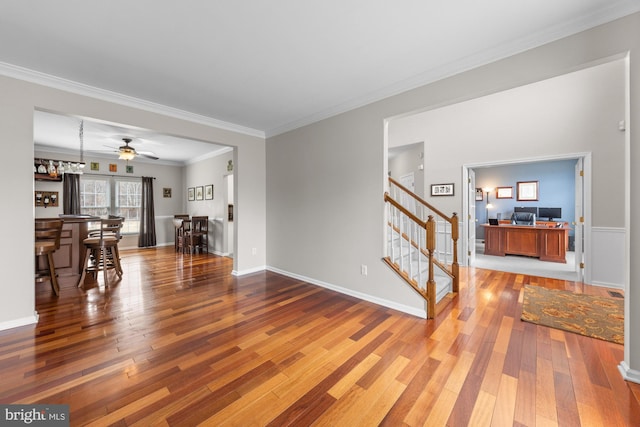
(425, 235)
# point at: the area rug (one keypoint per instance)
(592, 316)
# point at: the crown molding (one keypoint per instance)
(615, 10)
(32, 76)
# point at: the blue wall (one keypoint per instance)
(556, 188)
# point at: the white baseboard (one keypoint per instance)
(248, 271)
(365, 297)
(629, 374)
(16, 323)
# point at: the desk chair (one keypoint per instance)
(523, 218)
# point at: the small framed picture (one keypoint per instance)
(129, 168)
(442, 189)
(479, 194)
(527, 190)
(95, 166)
(166, 193)
(113, 167)
(191, 194)
(199, 193)
(504, 193)
(208, 192)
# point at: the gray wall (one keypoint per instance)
(325, 181)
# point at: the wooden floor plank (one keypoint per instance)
(181, 341)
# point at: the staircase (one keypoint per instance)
(422, 247)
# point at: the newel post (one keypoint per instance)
(431, 283)
(455, 267)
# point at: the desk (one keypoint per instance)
(540, 241)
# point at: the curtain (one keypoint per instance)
(71, 194)
(147, 235)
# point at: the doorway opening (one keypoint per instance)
(577, 212)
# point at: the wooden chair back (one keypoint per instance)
(200, 224)
(48, 230)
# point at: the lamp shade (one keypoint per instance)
(127, 153)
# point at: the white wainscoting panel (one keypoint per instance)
(607, 256)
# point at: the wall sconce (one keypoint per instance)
(54, 199)
(38, 199)
(45, 201)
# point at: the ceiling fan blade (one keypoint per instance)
(149, 156)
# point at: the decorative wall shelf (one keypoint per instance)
(46, 198)
(53, 170)
(46, 177)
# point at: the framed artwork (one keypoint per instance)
(504, 193)
(191, 194)
(95, 166)
(479, 195)
(129, 168)
(208, 192)
(166, 192)
(113, 167)
(527, 190)
(199, 193)
(442, 189)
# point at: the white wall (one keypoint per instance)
(17, 105)
(325, 181)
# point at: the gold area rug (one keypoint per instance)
(592, 316)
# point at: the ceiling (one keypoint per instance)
(265, 67)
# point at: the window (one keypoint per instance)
(103, 196)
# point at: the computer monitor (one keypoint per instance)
(550, 213)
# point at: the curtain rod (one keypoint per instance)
(117, 176)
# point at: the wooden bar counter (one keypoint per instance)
(540, 241)
(68, 259)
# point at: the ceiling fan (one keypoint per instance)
(127, 152)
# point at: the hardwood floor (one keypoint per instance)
(180, 342)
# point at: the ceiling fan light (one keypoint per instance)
(126, 154)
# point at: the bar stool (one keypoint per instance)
(101, 250)
(47, 241)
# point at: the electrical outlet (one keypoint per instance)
(363, 270)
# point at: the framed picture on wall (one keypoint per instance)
(199, 193)
(504, 193)
(191, 192)
(479, 195)
(208, 192)
(527, 191)
(442, 189)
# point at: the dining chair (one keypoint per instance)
(199, 236)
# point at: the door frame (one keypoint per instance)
(586, 201)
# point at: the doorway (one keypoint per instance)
(577, 268)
